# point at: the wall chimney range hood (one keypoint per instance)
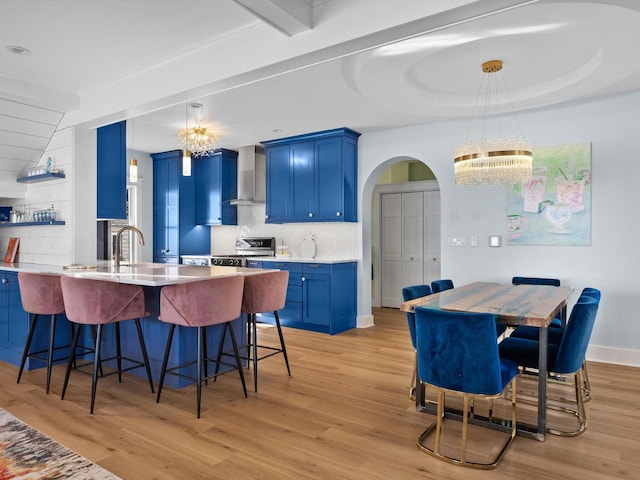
(252, 175)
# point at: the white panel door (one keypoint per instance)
(431, 236)
(391, 249)
(402, 244)
(412, 240)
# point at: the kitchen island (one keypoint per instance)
(151, 276)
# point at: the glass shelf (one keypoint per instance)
(43, 177)
(31, 224)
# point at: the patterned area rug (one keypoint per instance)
(26, 453)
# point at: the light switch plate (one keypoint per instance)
(495, 240)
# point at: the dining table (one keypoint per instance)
(513, 305)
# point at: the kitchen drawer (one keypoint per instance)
(294, 293)
(295, 279)
(316, 268)
(291, 266)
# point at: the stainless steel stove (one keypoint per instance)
(246, 247)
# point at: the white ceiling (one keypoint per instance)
(364, 64)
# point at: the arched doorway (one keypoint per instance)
(403, 228)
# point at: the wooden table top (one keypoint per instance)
(533, 305)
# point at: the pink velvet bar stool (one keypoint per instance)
(41, 295)
(199, 305)
(264, 292)
(101, 302)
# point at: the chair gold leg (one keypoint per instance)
(586, 384)
(437, 427)
(465, 423)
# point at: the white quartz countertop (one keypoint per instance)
(146, 274)
(303, 260)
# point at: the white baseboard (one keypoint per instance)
(364, 321)
(619, 356)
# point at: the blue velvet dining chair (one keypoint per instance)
(552, 282)
(565, 358)
(458, 353)
(555, 337)
(410, 293)
(441, 285)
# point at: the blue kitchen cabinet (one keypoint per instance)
(111, 157)
(12, 337)
(302, 181)
(14, 325)
(312, 177)
(320, 297)
(175, 231)
(291, 314)
(329, 296)
(216, 184)
(278, 190)
(254, 263)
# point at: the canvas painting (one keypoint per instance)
(554, 207)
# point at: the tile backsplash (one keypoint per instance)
(334, 241)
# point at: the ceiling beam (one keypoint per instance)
(288, 16)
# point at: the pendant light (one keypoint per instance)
(197, 140)
(502, 160)
(133, 163)
(186, 163)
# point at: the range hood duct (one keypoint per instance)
(252, 175)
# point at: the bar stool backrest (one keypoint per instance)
(202, 303)
(95, 302)
(265, 292)
(40, 294)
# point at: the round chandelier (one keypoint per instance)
(196, 139)
(504, 160)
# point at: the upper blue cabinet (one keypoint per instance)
(112, 171)
(216, 184)
(313, 177)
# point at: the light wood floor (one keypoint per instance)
(344, 414)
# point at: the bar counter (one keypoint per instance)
(152, 277)
(144, 274)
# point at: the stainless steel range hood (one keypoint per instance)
(252, 175)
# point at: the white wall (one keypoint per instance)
(611, 262)
(46, 244)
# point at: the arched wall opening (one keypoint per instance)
(395, 175)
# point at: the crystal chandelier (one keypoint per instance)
(197, 140)
(505, 161)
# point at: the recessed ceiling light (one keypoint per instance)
(18, 50)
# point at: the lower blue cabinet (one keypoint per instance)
(320, 296)
(14, 325)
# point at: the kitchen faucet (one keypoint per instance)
(116, 255)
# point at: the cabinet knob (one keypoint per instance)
(310, 215)
(338, 214)
(4, 280)
(303, 279)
